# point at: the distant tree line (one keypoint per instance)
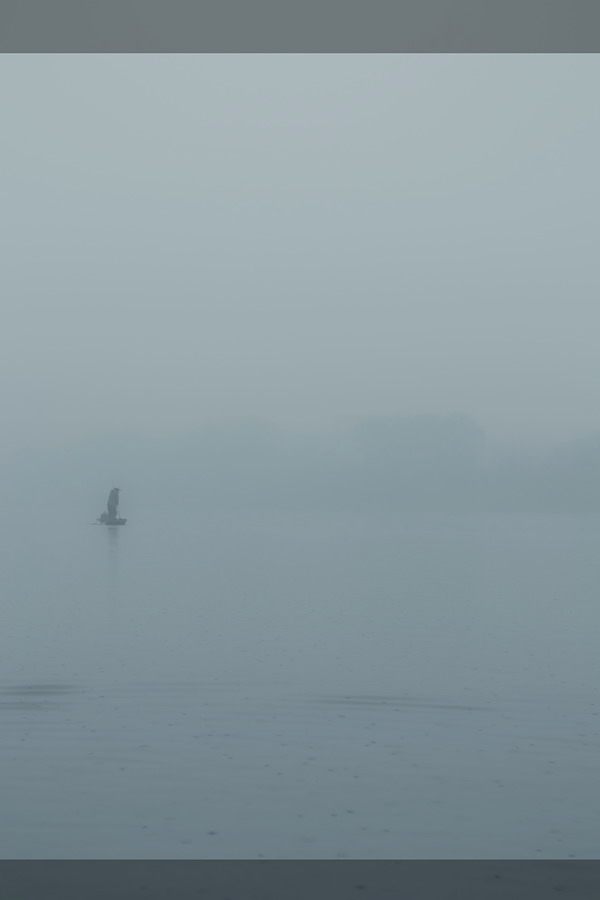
(399, 463)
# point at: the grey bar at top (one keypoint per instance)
(299, 26)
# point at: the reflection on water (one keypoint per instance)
(112, 540)
(112, 601)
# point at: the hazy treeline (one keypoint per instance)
(416, 463)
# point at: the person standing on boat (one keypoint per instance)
(113, 504)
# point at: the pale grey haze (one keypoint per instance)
(311, 240)
(330, 323)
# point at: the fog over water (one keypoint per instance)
(330, 324)
(305, 239)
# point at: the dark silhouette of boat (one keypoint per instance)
(111, 517)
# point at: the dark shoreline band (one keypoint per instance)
(300, 880)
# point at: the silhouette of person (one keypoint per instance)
(113, 504)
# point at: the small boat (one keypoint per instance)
(111, 517)
(104, 519)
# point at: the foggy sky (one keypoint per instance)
(309, 239)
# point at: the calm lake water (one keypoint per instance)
(301, 686)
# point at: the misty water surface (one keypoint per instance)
(300, 686)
